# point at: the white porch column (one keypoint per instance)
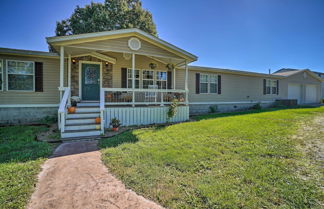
(174, 78)
(186, 83)
(69, 76)
(133, 79)
(61, 71)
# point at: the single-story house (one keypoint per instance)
(132, 76)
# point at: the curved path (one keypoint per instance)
(74, 177)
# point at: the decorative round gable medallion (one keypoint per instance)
(127, 56)
(134, 44)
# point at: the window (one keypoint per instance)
(161, 80)
(203, 83)
(148, 79)
(271, 86)
(208, 83)
(20, 75)
(129, 78)
(213, 83)
(1, 75)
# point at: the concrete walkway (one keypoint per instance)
(76, 178)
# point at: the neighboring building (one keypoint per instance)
(290, 71)
(132, 76)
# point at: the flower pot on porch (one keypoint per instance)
(71, 110)
(115, 128)
(98, 120)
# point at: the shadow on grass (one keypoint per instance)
(220, 115)
(126, 137)
(18, 144)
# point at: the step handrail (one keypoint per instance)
(62, 108)
(102, 111)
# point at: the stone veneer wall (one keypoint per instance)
(107, 73)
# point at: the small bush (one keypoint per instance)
(172, 109)
(213, 108)
(49, 120)
(257, 106)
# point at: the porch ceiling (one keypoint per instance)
(79, 51)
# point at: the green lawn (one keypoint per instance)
(236, 160)
(20, 161)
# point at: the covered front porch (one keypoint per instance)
(122, 71)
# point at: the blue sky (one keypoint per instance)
(252, 35)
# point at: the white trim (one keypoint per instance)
(153, 79)
(156, 80)
(7, 76)
(28, 105)
(130, 43)
(80, 75)
(235, 72)
(103, 57)
(139, 79)
(28, 53)
(54, 39)
(238, 102)
(2, 72)
(103, 48)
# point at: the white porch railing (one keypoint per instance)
(102, 111)
(123, 96)
(63, 109)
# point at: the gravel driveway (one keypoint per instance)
(74, 177)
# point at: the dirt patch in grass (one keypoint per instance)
(51, 135)
(311, 144)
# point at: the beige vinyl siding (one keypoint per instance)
(121, 45)
(50, 95)
(235, 88)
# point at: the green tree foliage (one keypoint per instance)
(110, 15)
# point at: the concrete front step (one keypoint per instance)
(80, 121)
(87, 110)
(82, 127)
(88, 104)
(83, 133)
(83, 115)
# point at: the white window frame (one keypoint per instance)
(1, 71)
(144, 79)
(156, 79)
(216, 83)
(271, 83)
(202, 74)
(208, 83)
(7, 76)
(139, 78)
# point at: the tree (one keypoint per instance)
(110, 15)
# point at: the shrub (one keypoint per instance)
(213, 108)
(172, 109)
(257, 106)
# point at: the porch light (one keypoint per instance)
(152, 65)
(107, 64)
(170, 66)
(73, 61)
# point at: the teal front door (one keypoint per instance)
(90, 81)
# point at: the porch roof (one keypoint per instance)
(115, 41)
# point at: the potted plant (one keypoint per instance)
(115, 123)
(98, 120)
(72, 108)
